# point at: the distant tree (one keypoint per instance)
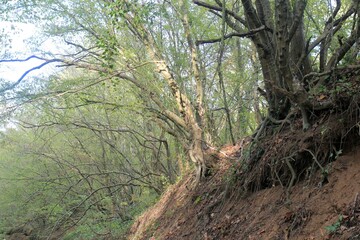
(125, 43)
(81, 154)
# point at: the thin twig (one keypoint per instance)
(315, 159)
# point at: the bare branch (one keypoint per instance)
(219, 9)
(333, 15)
(343, 49)
(330, 29)
(230, 35)
(87, 51)
(46, 62)
(300, 8)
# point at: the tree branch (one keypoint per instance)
(234, 34)
(46, 62)
(333, 15)
(329, 29)
(219, 9)
(300, 8)
(343, 49)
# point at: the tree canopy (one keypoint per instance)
(145, 90)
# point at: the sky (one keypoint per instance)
(19, 33)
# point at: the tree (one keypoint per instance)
(82, 157)
(285, 52)
(116, 52)
(191, 116)
(141, 78)
(126, 43)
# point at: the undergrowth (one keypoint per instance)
(97, 226)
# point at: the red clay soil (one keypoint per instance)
(215, 210)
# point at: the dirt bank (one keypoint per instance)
(316, 209)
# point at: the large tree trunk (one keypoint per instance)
(276, 55)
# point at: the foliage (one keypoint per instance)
(336, 226)
(77, 155)
(144, 83)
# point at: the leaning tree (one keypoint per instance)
(124, 39)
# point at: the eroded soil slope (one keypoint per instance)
(316, 209)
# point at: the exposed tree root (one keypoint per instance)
(281, 153)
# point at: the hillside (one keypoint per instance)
(217, 210)
(281, 183)
(179, 119)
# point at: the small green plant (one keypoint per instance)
(335, 227)
(319, 90)
(197, 200)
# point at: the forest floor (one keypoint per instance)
(315, 209)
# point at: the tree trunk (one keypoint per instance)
(192, 116)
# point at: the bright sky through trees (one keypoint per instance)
(150, 89)
(19, 35)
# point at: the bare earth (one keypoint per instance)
(215, 210)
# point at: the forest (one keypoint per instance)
(129, 97)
